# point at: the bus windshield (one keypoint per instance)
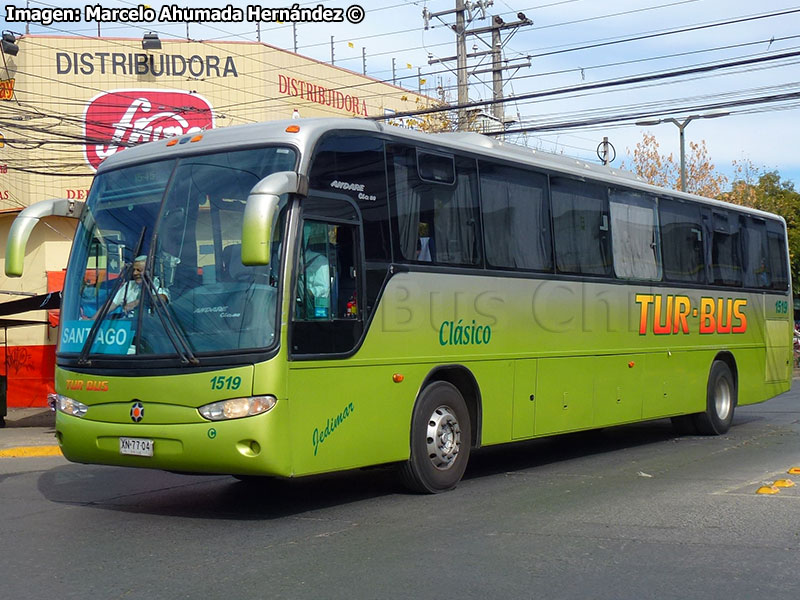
(156, 266)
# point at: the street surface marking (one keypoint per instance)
(29, 451)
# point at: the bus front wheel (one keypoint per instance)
(440, 440)
(720, 401)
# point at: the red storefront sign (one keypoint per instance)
(120, 118)
(7, 89)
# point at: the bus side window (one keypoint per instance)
(634, 235)
(683, 238)
(580, 227)
(327, 316)
(516, 218)
(778, 258)
(756, 252)
(435, 199)
(726, 249)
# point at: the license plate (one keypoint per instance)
(135, 446)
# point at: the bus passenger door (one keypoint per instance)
(343, 413)
(326, 318)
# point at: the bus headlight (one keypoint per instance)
(70, 407)
(236, 408)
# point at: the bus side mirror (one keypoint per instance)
(259, 214)
(23, 225)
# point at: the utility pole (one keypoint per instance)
(497, 71)
(498, 65)
(464, 16)
(460, 29)
(461, 64)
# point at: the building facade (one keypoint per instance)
(67, 103)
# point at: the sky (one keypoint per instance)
(570, 44)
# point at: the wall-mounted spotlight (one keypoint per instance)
(150, 41)
(10, 44)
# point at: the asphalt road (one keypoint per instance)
(630, 512)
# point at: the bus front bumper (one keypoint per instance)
(254, 445)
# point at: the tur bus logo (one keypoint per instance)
(120, 118)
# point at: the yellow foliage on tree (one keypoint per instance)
(664, 171)
(436, 122)
(743, 188)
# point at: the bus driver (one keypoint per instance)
(129, 295)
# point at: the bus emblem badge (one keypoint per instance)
(137, 412)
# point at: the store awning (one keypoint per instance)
(49, 301)
(8, 323)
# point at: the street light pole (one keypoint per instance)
(681, 126)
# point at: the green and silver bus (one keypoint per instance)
(294, 298)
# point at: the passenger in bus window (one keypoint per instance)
(424, 244)
(762, 272)
(314, 280)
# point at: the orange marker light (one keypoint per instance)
(293, 129)
(196, 138)
(631, 364)
(172, 142)
(398, 377)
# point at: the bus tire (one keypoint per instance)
(720, 401)
(440, 440)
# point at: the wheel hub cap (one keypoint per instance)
(722, 399)
(443, 438)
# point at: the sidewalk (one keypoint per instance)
(28, 432)
(30, 417)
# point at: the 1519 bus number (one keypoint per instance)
(225, 383)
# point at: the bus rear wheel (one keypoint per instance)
(440, 440)
(720, 401)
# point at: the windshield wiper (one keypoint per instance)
(171, 328)
(83, 358)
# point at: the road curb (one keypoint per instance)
(30, 451)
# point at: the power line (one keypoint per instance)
(632, 116)
(599, 85)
